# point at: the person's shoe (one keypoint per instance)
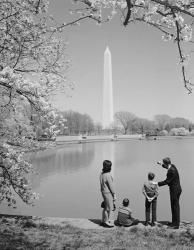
(173, 227)
(170, 224)
(107, 224)
(153, 224)
(135, 222)
(111, 222)
(146, 224)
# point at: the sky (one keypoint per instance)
(146, 75)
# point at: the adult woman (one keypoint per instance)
(108, 193)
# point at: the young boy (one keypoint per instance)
(150, 190)
(124, 217)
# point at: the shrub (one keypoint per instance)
(179, 131)
(163, 133)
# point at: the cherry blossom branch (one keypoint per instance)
(9, 102)
(14, 186)
(24, 93)
(129, 6)
(173, 7)
(157, 26)
(19, 54)
(178, 41)
(14, 14)
(37, 7)
(89, 3)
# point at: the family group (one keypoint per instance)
(150, 191)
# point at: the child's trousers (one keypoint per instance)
(148, 207)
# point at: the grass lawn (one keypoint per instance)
(25, 234)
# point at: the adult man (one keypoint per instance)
(173, 181)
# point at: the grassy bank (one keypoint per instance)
(25, 233)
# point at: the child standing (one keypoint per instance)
(150, 190)
(124, 217)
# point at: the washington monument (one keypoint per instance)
(107, 91)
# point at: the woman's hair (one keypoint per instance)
(125, 202)
(167, 161)
(151, 176)
(106, 166)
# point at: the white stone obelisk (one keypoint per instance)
(107, 91)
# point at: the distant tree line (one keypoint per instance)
(162, 124)
(75, 123)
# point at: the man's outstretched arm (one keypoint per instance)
(169, 179)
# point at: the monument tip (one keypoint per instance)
(107, 49)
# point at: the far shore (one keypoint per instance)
(62, 139)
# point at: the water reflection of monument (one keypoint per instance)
(107, 117)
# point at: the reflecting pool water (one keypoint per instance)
(67, 178)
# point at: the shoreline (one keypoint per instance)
(66, 140)
(85, 223)
(105, 138)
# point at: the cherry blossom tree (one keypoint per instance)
(173, 18)
(33, 67)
